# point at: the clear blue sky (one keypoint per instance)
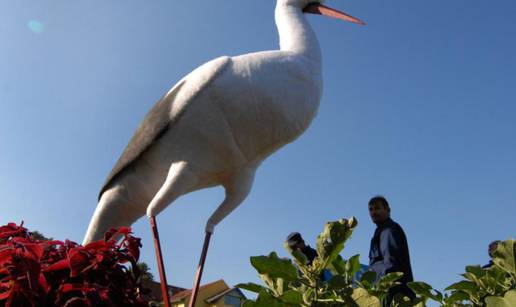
(418, 106)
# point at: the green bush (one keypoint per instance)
(491, 287)
(291, 282)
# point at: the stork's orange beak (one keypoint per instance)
(317, 8)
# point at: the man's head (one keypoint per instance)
(295, 241)
(492, 247)
(379, 209)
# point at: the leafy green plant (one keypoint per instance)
(509, 300)
(292, 282)
(295, 283)
(491, 287)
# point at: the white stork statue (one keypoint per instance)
(217, 125)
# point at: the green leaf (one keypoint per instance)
(251, 287)
(338, 282)
(265, 299)
(250, 303)
(280, 286)
(505, 257)
(367, 279)
(363, 299)
(425, 290)
(353, 265)
(308, 296)
(463, 285)
(331, 241)
(468, 287)
(274, 267)
(269, 281)
(475, 270)
(299, 257)
(400, 300)
(339, 264)
(457, 296)
(292, 297)
(509, 300)
(388, 281)
(390, 278)
(352, 222)
(420, 287)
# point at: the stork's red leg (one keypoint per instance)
(198, 275)
(159, 257)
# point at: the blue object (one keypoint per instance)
(35, 26)
(326, 275)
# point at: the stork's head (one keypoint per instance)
(316, 7)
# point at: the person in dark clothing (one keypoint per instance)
(295, 242)
(389, 248)
(491, 249)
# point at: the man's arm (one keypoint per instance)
(390, 247)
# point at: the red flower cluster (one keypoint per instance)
(55, 273)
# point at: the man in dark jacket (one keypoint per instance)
(491, 249)
(389, 248)
(295, 242)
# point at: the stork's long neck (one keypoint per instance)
(296, 34)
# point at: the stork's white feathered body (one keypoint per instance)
(216, 126)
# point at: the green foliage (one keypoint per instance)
(36, 235)
(509, 300)
(493, 286)
(274, 267)
(294, 283)
(363, 298)
(505, 257)
(143, 271)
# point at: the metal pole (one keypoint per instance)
(200, 268)
(159, 257)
